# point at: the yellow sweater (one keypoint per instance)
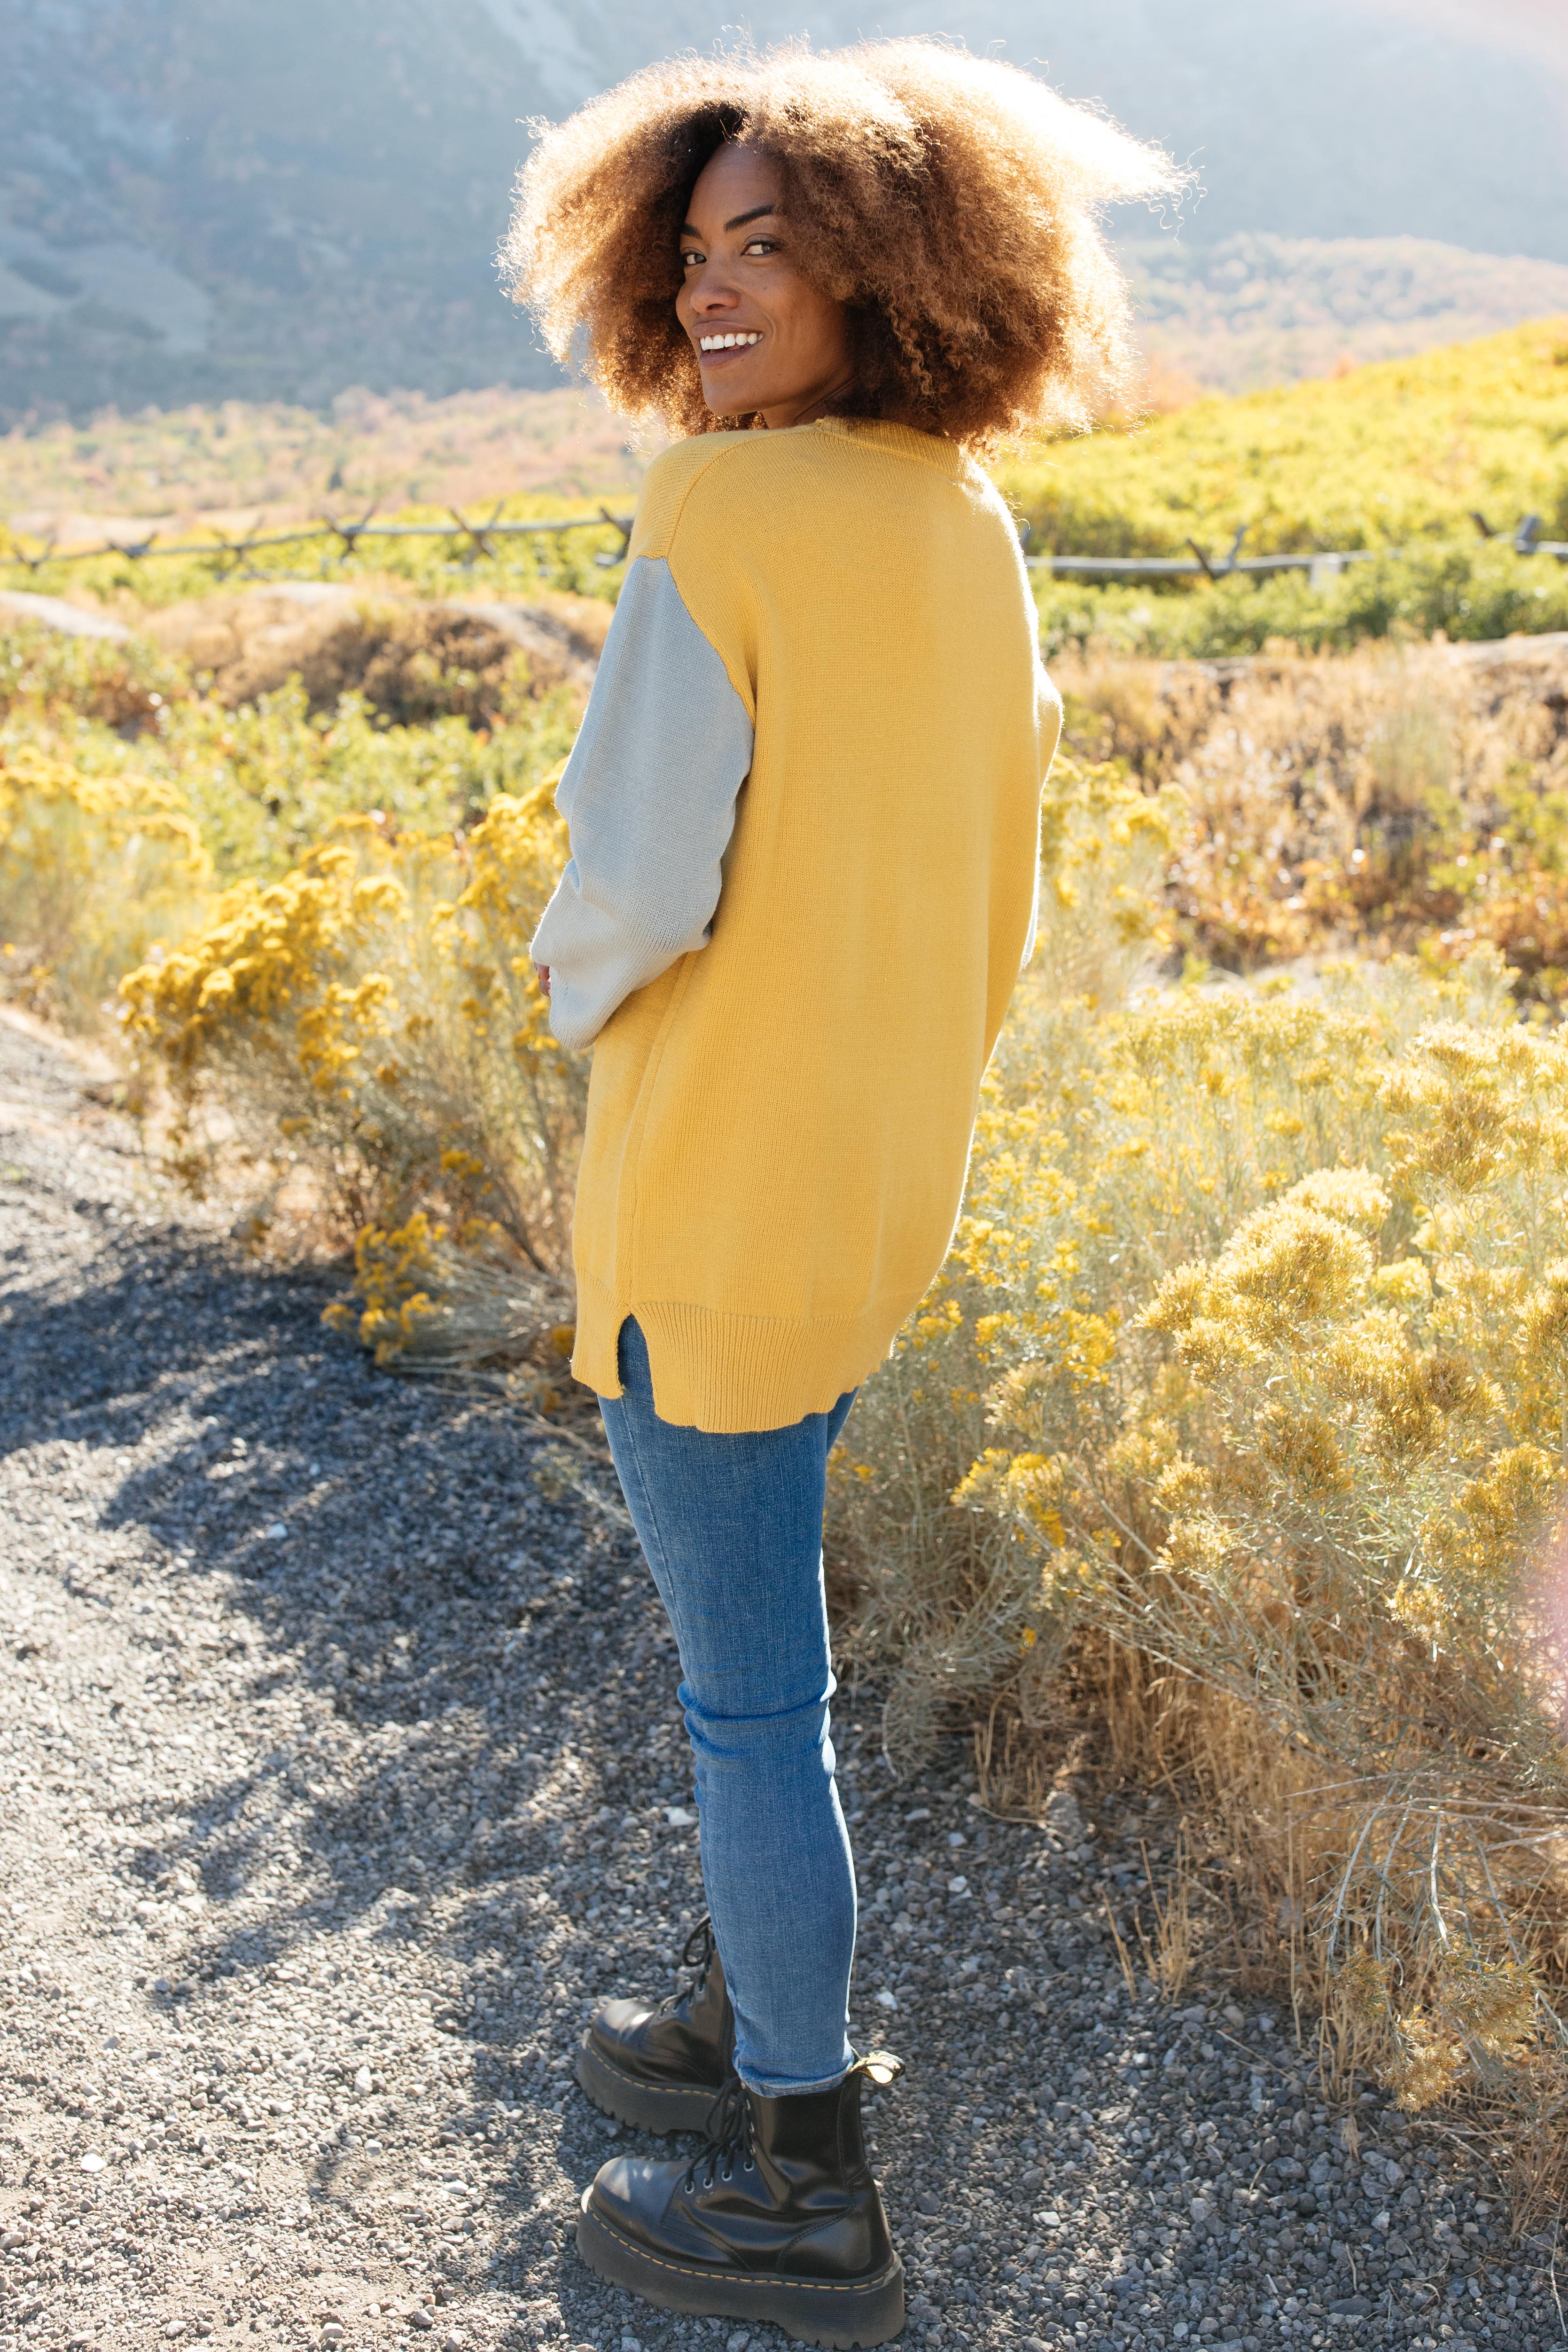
(827, 653)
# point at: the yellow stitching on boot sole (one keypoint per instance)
(638, 2083)
(743, 2278)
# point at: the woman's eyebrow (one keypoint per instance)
(758, 212)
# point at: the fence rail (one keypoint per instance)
(236, 553)
(1322, 564)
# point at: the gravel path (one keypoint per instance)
(341, 1775)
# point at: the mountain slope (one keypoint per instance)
(1442, 118)
(206, 198)
(321, 189)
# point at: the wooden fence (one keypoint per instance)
(234, 555)
(1323, 564)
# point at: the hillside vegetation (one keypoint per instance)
(1400, 451)
(1233, 1425)
(1480, 426)
(1255, 311)
(269, 456)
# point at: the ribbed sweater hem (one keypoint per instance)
(726, 1373)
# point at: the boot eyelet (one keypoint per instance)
(725, 2174)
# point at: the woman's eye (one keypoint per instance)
(690, 257)
(761, 245)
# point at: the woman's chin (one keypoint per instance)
(732, 391)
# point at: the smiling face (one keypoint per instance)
(768, 342)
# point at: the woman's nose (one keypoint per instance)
(712, 293)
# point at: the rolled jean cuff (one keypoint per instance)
(795, 2090)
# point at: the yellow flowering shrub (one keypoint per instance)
(461, 1301)
(1104, 845)
(1249, 1365)
(92, 870)
(368, 1031)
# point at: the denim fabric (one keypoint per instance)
(732, 1529)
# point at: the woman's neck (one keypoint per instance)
(807, 411)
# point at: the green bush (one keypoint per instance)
(265, 783)
(1403, 450)
(1471, 589)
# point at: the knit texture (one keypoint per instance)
(778, 1124)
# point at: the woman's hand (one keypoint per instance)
(543, 972)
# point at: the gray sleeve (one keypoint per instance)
(648, 796)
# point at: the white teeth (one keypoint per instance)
(725, 342)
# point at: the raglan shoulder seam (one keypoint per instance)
(661, 548)
(739, 686)
(734, 445)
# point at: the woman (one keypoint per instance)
(803, 812)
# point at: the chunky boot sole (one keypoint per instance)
(813, 2310)
(675, 2107)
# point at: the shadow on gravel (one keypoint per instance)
(124, 1350)
(493, 1659)
(482, 1667)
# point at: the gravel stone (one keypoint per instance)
(315, 1856)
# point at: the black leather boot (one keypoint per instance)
(777, 2219)
(661, 2068)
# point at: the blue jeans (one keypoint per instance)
(732, 1529)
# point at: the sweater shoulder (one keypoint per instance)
(726, 508)
(717, 467)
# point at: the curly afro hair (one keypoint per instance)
(948, 202)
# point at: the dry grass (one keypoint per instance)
(1360, 803)
(413, 660)
(1244, 1365)
(1249, 1895)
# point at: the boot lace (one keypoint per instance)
(696, 1953)
(728, 2140)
